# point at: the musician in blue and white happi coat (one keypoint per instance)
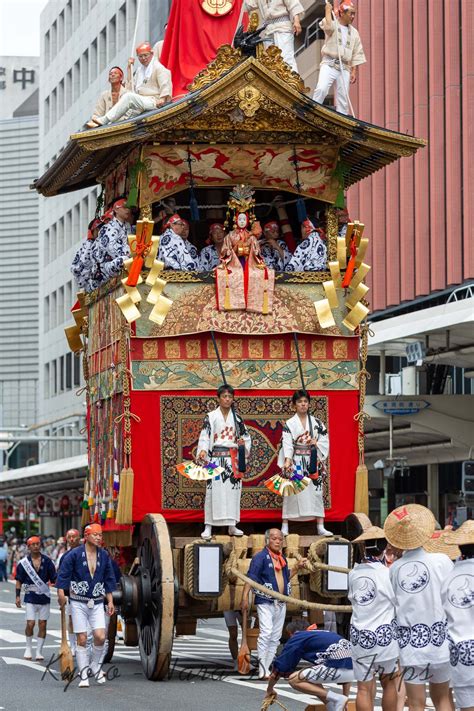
(111, 248)
(294, 455)
(210, 255)
(175, 250)
(83, 265)
(274, 250)
(218, 443)
(417, 578)
(311, 255)
(88, 574)
(373, 625)
(34, 572)
(457, 595)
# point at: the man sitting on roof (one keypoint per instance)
(311, 254)
(175, 250)
(151, 86)
(110, 97)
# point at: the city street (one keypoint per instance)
(200, 677)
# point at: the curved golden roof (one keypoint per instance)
(235, 99)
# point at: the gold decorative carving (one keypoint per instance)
(339, 349)
(277, 349)
(272, 59)
(172, 349)
(193, 349)
(145, 212)
(332, 231)
(250, 98)
(150, 350)
(318, 349)
(255, 348)
(211, 352)
(217, 8)
(226, 58)
(234, 348)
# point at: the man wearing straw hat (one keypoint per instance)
(457, 595)
(88, 574)
(372, 631)
(417, 578)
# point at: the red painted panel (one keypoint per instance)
(407, 167)
(452, 48)
(467, 24)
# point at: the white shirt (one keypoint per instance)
(373, 628)
(416, 579)
(457, 595)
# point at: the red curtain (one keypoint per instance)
(147, 457)
(192, 39)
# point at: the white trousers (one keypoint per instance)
(84, 617)
(40, 612)
(327, 76)
(286, 42)
(271, 618)
(128, 106)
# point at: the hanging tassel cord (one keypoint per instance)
(300, 204)
(363, 375)
(193, 204)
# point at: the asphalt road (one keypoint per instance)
(202, 678)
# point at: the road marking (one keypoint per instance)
(12, 610)
(23, 663)
(10, 636)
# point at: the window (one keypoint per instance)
(84, 9)
(103, 49)
(61, 305)
(46, 247)
(85, 216)
(68, 299)
(46, 314)
(61, 98)
(76, 17)
(76, 222)
(53, 310)
(68, 373)
(47, 49)
(68, 233)
(68, 21)
(61, 374)
(54, 380)
(93, 56)
(77, 369)
(68, 91)
(46, 381)
(53, 252)
(61, 31)
(132, 16)
(122, 26)
(85, 71)
(77, 80)
(47, 116)
(112, 39)
(54, 40)
(61, 236)
(54, 107)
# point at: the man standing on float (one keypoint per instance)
(222, 432)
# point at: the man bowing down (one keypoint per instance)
(218, 442)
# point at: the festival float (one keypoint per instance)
(157, 343)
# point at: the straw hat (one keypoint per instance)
(464, 536)
(409, 526)
(438, 544)
(371, 533)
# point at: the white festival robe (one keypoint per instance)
(177, 253)
(311, 255)
(373, 627)
(416, 579)
(457, 595)
(222, 504)
(308, 504)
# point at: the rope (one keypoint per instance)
(225, 205)
(270, 701)
(293, 600)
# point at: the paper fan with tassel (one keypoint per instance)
(199, 472)
(282, 486)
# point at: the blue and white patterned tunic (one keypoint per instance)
(178, 253)
(372, 629)
(74, 575)
(416, 579)
(273, 259)
(83, 267)
(208, 259)
(311, 255)
(457, 595)
(109, 250)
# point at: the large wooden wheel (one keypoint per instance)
(156, 614)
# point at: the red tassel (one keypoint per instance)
(134, 272)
